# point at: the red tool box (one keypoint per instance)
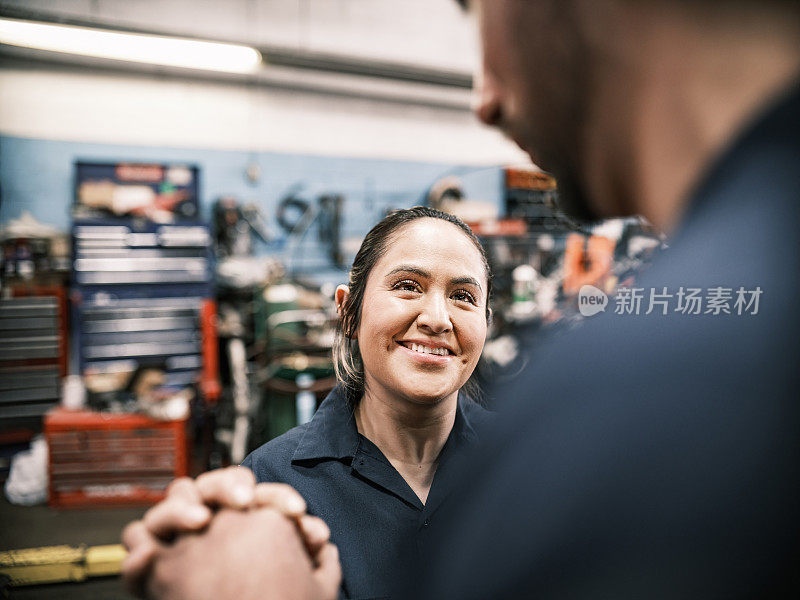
(100, 459)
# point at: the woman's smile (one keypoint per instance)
(430, 353)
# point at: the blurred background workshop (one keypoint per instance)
(182, 186)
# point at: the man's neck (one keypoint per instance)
(693, 84)
(411, 436)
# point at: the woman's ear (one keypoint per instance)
(340, 297)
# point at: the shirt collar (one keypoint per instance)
(332, 432)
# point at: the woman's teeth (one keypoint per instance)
(428, 350)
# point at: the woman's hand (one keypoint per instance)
(188, 508)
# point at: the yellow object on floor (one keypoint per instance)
(53, 564)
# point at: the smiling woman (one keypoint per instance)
(376, 462)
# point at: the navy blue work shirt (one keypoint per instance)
(377, 521)
(656, 455)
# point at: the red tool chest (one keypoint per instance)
(100, 459)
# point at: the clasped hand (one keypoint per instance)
(224, 536)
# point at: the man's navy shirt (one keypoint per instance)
(656, 455)
(377, 521)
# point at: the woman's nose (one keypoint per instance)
(486, 98)
(434, 315)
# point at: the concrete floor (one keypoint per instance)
(29, 527)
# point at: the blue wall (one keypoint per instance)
(37, 176)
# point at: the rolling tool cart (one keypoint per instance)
(143, 329)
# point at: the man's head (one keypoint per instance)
(568, 81)
(533, 84)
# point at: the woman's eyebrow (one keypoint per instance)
(409, 269)
(464, 280)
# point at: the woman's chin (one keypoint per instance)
(428, 397)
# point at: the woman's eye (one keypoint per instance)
(464, 296)
(406, 285)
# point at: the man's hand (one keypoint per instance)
(244, 555)
(187, 508)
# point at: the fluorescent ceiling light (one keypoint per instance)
(135, 47)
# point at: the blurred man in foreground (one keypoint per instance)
(654, 452)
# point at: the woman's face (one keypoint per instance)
(423, 320)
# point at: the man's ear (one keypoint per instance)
(340, 297)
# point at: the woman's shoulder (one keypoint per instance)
(272, 461)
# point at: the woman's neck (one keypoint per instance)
(411, 436)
